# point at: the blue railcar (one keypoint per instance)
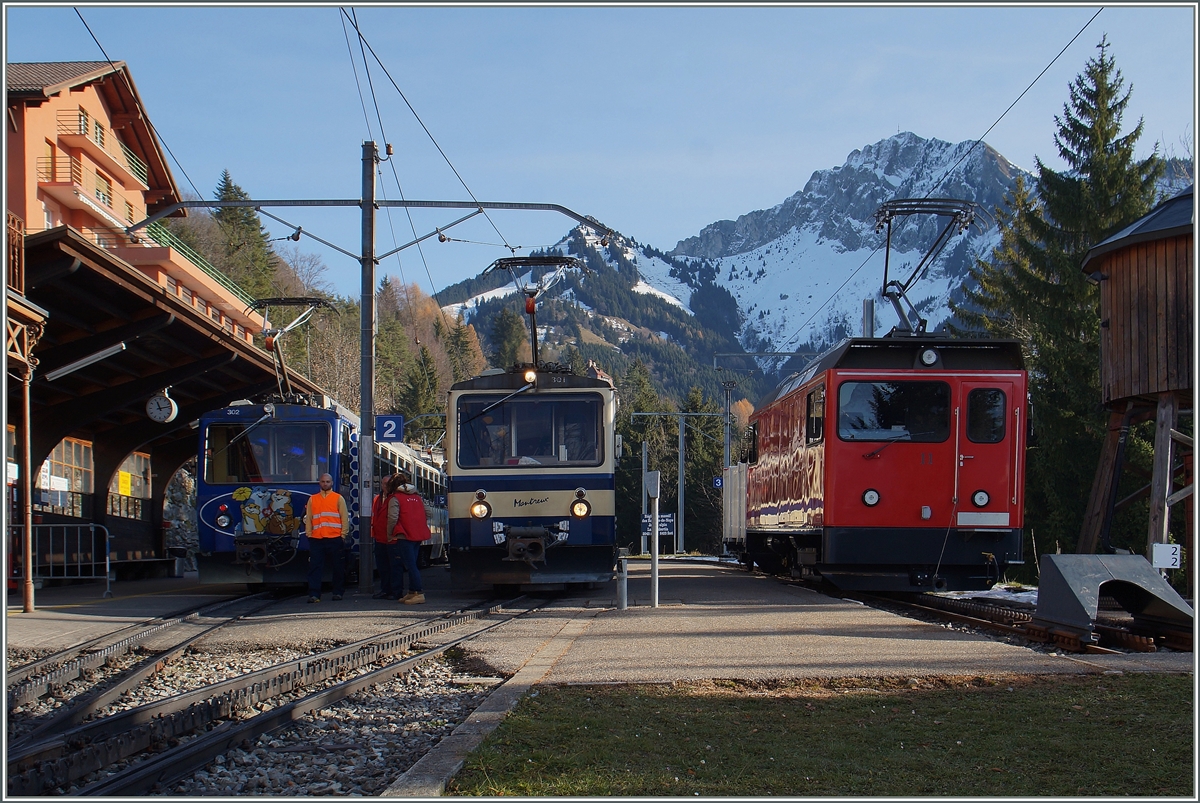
(257, 466)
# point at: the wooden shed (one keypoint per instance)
(1146, 274)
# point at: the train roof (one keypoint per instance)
(970, 354)
(509, 380)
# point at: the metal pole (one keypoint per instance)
(27, 500)
(366, 438)
(654, 552)
(679, 518)
(645, 465)
(623, 582)
(729, 386)
(651, 487)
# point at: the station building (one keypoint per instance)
(101, 325)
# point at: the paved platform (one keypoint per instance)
(714, 621)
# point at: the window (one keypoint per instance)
(64, 480)
(172, 286)
(530, 431)
(104, 189)
(814, 429)
(985, 415)
(273, 451)
(83, 122)
(50, 171)
(751, 455)
(130, 488)
(186, 294)
(894, 411)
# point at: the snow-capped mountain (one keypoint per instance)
(801, 270)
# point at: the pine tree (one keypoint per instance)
(508, 335)
(704, 446)
(247, 258)
(637, 394)
(419, 395)
(1033, 288)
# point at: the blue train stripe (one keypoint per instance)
(533, 482)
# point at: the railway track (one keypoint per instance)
(35, 679)
(157, 743)
(114, 687)
(1113, 633)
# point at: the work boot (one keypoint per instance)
(415, 598)
(314, 599)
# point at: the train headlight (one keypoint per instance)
(870, 497)
(481, 494)
(928, 357)
(480, 510)
(223, 520)
(580, 508)
(580, 493)
(980, 498)
(531, 376)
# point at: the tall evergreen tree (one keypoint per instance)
(508, 335)
(704, 446)
(1033, 288)
(247, 259)
(637, 394)
(419, 396)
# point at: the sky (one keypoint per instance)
(656, 121)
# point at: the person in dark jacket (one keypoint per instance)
(411, 524)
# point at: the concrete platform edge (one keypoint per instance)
(429, 776)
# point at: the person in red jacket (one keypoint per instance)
(411, 524)
(387, 546)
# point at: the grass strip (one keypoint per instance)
(1092, 735)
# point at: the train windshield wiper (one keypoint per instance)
(890, 441)
(269, 414)
(499, 402)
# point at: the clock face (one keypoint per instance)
(161, 408)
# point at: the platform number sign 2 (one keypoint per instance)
(389, 428)
(1167, 556)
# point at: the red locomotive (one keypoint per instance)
(914, 481)
(894, 463)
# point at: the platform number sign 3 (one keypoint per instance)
(1167, 556)
(389, 428)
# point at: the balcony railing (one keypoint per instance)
(68, 170)
(77, 123)
(161, 235)
(16, 254)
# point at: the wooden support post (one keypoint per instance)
(1100, 500)
(1160, 484)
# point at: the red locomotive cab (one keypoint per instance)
(927, 450)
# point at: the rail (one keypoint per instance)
(63, 551)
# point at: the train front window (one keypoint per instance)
(985, 415)
(270, 452)
(894, 411)
(538, 431)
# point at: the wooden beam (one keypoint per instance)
(1160, 512)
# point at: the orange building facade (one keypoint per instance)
(81, 154)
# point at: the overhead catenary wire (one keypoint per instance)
(955, 166)
(422, 124)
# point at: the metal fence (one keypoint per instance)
(63, 551)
